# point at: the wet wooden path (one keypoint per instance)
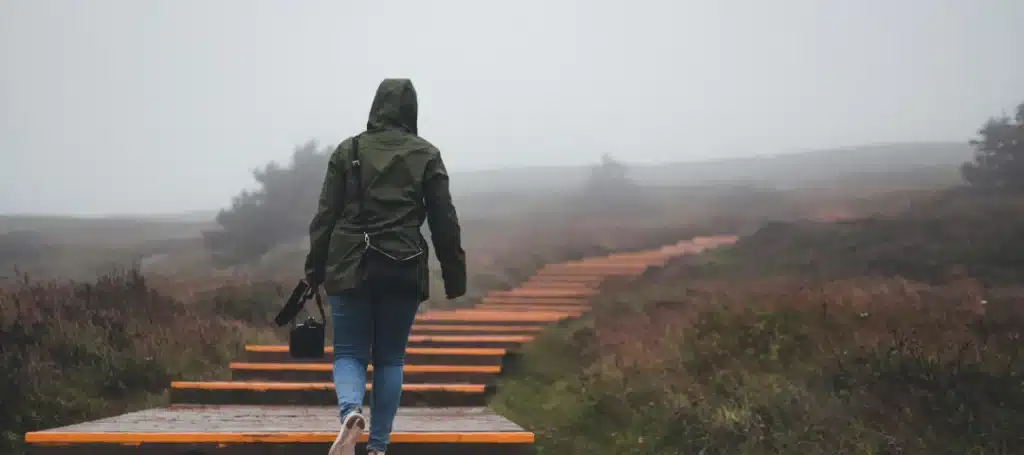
(276, 405)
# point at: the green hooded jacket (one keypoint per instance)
(404, 183)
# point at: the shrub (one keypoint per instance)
(81, 350)
(860, 366)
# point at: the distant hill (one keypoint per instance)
(483, 194)
(100, 232)
(916, 161)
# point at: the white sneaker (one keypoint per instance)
(351, 428)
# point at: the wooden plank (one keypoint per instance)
(557, 301)
(470, 341)
(605, 274)
(531, 284)
(572, 310)
(268, 386)
(318, 393)
(265, 448)
(324, 372)
(522, 329)
(593, 270)
(549, 293)
(413, 355)
(489, 317)
(607, 263)
(273, 429)
(582, 279)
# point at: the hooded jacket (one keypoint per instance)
(404, 183)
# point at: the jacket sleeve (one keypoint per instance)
(445, 232)
(324, 219)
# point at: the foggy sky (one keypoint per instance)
(136, 106)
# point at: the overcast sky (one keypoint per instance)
(161, 106)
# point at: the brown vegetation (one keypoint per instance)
(74, 351)
(802, 338)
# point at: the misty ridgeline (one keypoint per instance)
(280, 209)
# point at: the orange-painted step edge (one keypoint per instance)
(471, 338)
(575, 311)
(276, 348)
(537, 307)
(536, 300)
(494, 316)
(492, 369)
(599, 263)
(565, 293)
(549, 284)
(478, 328)
(266, 386)
(65, 438)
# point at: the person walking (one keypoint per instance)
(370, 257)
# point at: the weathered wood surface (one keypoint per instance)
(275, 430)
(305, 423)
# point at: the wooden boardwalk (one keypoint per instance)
(276, 405)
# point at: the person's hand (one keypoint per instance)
(314, 285)
(451, 293)
(313, 290)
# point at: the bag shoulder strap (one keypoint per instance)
(357, 169)
(320, 306)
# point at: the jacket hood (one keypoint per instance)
(394, 106)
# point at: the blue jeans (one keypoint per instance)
(366, 321)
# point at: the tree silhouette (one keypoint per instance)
(999, 154)
(279, 210)
(609, 190)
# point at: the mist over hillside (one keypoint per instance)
(783, 171)
(483, 193)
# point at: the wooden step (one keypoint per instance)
(413, 355)
(280, 430)
(600, 263)
(536, 300)
(521, 329)
(484, 317)
(518, 305)
(323, 372)
(573, 310)
(647, 257)
(546, 293)
(318, 393)
(597, 266)
(593, 271)
(531, 284)
(606, 263)
(604, 275)
(591, 278)
(533, 308)
(469, 341)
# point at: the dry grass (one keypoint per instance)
(73, 351)
(860, 366)
(803, 339)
